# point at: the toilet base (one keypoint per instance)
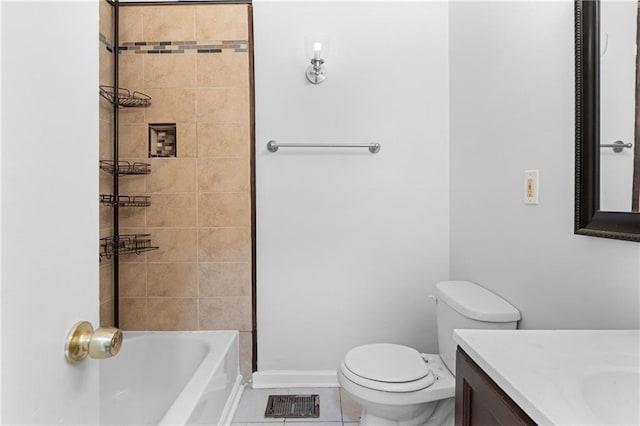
(435, 413)
(390, 416)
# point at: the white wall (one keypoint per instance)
(350, 244)
(512, 109)
(49, 179)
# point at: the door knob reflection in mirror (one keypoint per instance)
(82, 340)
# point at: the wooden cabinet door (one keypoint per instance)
(480, 401)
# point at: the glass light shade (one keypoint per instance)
(316, 46)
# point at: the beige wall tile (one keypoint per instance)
(223, 140)
(132, 217)
(133, 140)
(171, 105)
(105, 182)
(222, 22)
(224, 279)
(223, 105)
(132, 185)
(105, 110)
(106, 140)
(106, 19)
(187, 140)
(133, 279)
(130, 74)
(106, 281)
(228, 69)
(169, 23)
(172, 280)
(224, 244)
(173, 314)
(130, 24)
(224, 209)
(106, 217)
(223, 175)
(172, 210)
(225, 313)
(106, 314)
(131, 115)
(106, 65)
(246, 351)
(170, 175)
(176, 245)
(133, 313)
(105, 232)
(169, 71)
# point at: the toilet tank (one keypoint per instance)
(463, 304)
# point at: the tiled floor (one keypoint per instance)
(336, 409)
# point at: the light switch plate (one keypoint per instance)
(531, 187)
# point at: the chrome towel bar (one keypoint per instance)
(273, 146)
(617, 146)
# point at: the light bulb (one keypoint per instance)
(317, 49)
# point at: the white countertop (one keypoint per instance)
(563, 377)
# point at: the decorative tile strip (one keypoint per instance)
(107, 43)
(189, 46)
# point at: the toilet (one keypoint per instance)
(397, 385)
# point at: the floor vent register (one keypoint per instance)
(293, 406)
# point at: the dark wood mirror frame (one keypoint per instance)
(589, 219)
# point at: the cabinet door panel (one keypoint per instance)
(480, 401)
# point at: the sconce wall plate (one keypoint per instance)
(316, 71)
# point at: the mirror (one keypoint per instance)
(618, 33)
(606, 180)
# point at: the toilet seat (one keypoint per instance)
(387, 367)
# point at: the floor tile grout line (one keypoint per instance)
(341, 407)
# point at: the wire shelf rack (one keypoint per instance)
(125, 244)
(125, 167)
(126, 98)
(125, 200)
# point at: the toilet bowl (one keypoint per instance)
(397, 385)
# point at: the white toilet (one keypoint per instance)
(397, 385)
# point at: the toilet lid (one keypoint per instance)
(386, 362)
(402, 387)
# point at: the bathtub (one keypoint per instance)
(171, 378)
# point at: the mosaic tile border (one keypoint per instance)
(107, 43)
(187, 46)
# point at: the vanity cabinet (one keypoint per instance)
(480, 401)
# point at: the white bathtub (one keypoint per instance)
(171, 378)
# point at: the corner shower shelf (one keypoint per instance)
(125, 167)
(126, 99)
(126, 244)
(125, 200)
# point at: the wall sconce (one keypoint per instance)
(317, 47)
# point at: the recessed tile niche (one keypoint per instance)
(163, 141)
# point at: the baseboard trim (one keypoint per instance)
(295, 379)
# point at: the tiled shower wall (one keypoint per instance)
(106, 152)
(193, 61)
